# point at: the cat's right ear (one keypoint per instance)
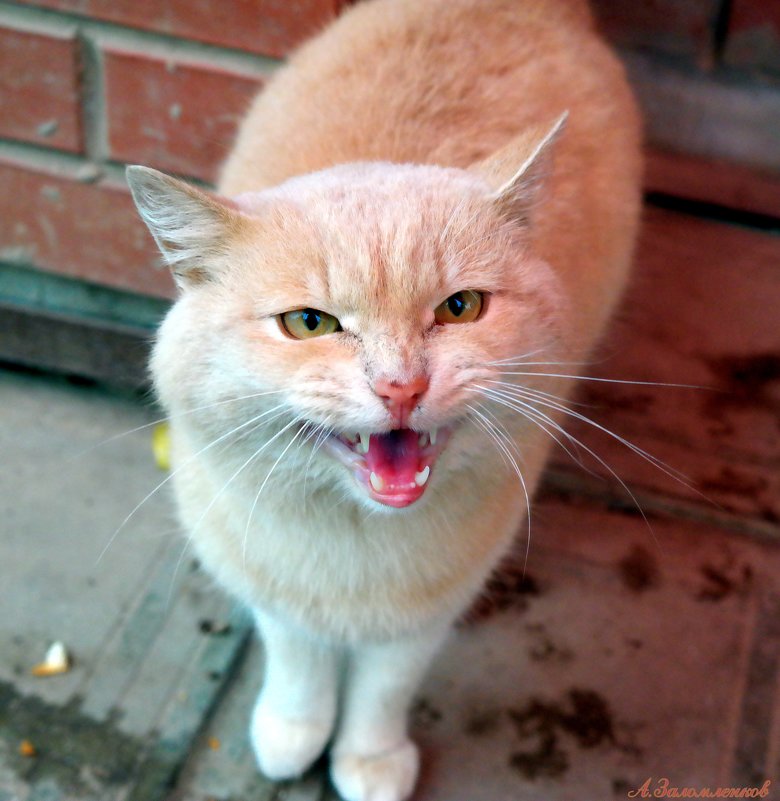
(189, 225)
(519, 170)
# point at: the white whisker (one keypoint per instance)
(180, 467)
(655, 461)
(519, 356)
(607, 380)
(539, 393)
(322, 432)
(527, 410)
(496, 399)
(170, 417)
(268, 476)
(493, 435)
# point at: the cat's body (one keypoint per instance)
(306, 538)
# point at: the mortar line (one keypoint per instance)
(156, 44)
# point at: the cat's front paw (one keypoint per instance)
(389, 776)
(286, 748)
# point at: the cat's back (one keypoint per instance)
(452, 82)
(428, 81)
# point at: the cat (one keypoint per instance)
(428, 215)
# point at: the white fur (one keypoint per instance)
(295, 712)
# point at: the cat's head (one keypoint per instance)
(355, 311)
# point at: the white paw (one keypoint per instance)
(389, 776)
(286, 748)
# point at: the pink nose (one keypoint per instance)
(401, 398)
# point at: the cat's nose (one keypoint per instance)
(401, 397)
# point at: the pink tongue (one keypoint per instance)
(394, 457)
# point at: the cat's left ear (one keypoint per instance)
(189, 225)
(515, 195)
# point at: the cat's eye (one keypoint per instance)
(308, 323)
(462, 307)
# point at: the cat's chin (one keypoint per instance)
(393, 468)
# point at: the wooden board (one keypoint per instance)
(703, 310)
(125, 600)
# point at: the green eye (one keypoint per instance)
(462, 307)
(308, 323)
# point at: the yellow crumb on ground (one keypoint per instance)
(214, 744)
(161, 446)
(27, 749)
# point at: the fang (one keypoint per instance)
(364, 441)
(421, 477)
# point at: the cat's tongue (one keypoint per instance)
(397, 474)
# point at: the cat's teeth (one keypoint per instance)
(376, 482)
(421, 477)
(423, 440)
(363, 442)
(433, 436)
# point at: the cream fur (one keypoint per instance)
(407, 153)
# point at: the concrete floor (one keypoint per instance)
(628, 652)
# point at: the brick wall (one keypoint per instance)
(87, 86)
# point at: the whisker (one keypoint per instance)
(503, 455)
(654, 460)
(174, 472)
(170, 417)
(265, 481)
(546, 395)
(528, 354)
(445, 230)
(232, 478)
(500, 428)
(609, 380)
(472, 244)
(322, 432)
(528, 410)
(172, 583)
(191, 533)
(467, 223)
(575, 457)
(494, 437)
(509, 363)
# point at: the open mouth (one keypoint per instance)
(394, 468)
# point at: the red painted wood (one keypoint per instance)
(681, 27)
(753, 38)
(724, 183)
(703, 310)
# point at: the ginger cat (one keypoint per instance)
(431, 207)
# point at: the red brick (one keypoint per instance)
(682, 27)
(702, 311)
(753, 38)
(269, 27)
(55, 223)
(174, 115)
(39, 89)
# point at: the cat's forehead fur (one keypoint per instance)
(374, 239)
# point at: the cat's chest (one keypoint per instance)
(331, 569)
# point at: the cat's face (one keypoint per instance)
(367, 301)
